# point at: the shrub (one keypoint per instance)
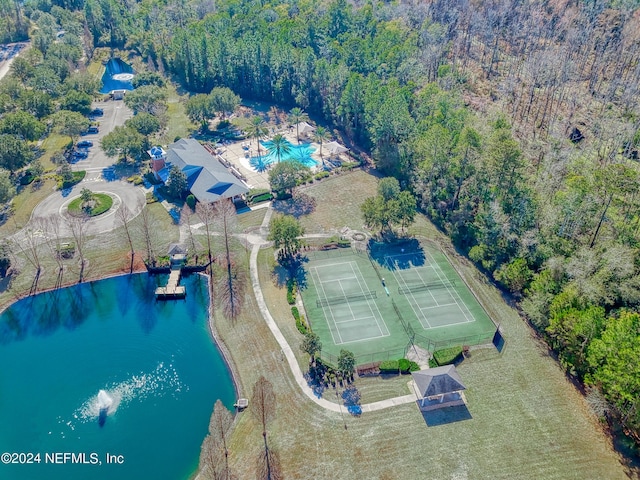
(222, 124)
(349, 165)
(135, 179)
(321, 175)
(76, 177)
(295, 312)
(433, 363)
(265, 197)
(151, 198)
(291, 292)
(301, 325)
(447, 356)
(389, 366)
(191, 201)
(403, 365)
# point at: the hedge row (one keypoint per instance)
(301, 323)
(402, 365)
(291, 292)
(447, 356)
(265, 197)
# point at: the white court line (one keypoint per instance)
(325, 315)
(369, 304)
(455, 294)
(356, 319)
(420, 316)
(438, 306)
(337, 279)
(331, 265)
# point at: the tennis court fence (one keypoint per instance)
(325, 302)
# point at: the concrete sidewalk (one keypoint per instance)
(286, 348)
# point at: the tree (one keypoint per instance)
(148, 78)
(311, 344)
(223, 100)
(78, 228)
(514, 275)
(177, 182)
(70, 123)
(66, 172)
(123, 217)
(124, 141)
(37, 103)
(76, 101)
(215, 444)
(391, 206)
(286, 175)
(144, 123)
(285, 232)
(14, 153)
(263, 408)
(199, 109)
(149, 234)
(87, 199)
(7, 187)
(279, 146)
(257, 129)
(82, 82)
(297, 116)
(346, 363)
(233, 286)
(206, 214)
(148, 99)
(5, 258)
(23, 125)
(613, 360)
(321, 135)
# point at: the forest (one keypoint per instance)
(514, 124)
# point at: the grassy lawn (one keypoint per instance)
(105, 254)
(24, 203)
(338, 199)
(178, 124)
(251, 220)
(102, 203)
(524, 419)
(52, 144)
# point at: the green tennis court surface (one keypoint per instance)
(376, 305)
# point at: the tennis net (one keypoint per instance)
(422, 287)
(325, 302)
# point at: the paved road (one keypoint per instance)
(121, 192)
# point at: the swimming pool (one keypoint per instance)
(301, 153)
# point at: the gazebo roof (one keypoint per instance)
(438, 381)
(335, 148)
(304, 127)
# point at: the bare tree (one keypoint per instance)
(78, 228)
(263, 407)
(28, 245)
(50, 226)
(232, 288)
(206, 213)
(123, 217)
(148, 234)
(186, 215)
(215, 452)
(268, 467)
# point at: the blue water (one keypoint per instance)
(155, 360)
(115, 66)
(301, 153)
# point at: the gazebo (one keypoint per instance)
(303, 128)
(439, 387)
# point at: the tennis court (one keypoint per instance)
(378, 304)
(348, 305)
(431, 294)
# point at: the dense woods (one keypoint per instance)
(514, 124)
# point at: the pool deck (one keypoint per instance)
(235, 154)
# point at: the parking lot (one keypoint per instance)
(115, 113)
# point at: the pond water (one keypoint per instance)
(117, 76)
(103, 369)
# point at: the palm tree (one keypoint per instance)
(297, 116)
(321, 135)
(257, 129)
(279, 146)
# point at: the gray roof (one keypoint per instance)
(438, 381)
(207, 179)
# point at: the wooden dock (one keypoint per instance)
(172, 290)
